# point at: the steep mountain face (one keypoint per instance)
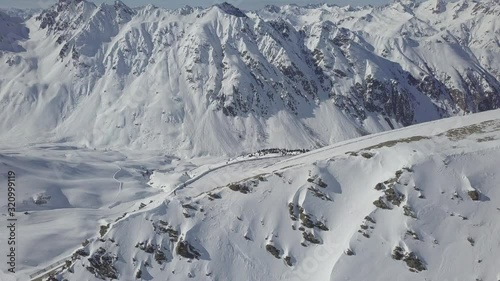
(221, 81)
(419, 203)
(447, 51)
(11, 32)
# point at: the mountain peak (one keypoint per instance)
(272, 8)
(120, 6)
(406, 6)
(64, 4)
(231, 10)
(70, 1)
(408, 3)
(63, 12)
(438, 6)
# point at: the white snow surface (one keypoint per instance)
(220, 81)
(434, 167)
(132, 134)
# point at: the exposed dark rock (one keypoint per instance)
(381, 204)
(213, 196)
(308, 236)
(146, 247)
(474, 195)
(414, 262)
(471, 241)
(188, 206)
(321, 226)
(380, 186)
(41, 199)
(409, 212)
(370, 219)
(239, 187)
(317, 181)
(319, 194)
(398, 253)
(273, 250)
(367, 155)
(101, 264)
(413, 234)
(172, 233)
(305, 218)
(103, 229)
(399, 173)
(80, 253)
(231, 10)
(160, 256)
(393, 196)
(291, 211)
(321, 183)
(185, 249)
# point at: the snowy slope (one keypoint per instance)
(220, 81)
(419, 203)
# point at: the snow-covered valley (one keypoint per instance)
(287, 143)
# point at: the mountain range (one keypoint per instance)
(222, 81)
(288, 143)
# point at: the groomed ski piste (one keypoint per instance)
(419, 203)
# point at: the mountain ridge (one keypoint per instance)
(421, 201)
(146, 77)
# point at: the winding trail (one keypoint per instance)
(221, 166)
(45, 272)
(120, 188)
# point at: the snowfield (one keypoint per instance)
(288, 143)
(419, 203)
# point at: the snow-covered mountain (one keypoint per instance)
(419, 203)
(220, 81)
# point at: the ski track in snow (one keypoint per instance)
(120, 187)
